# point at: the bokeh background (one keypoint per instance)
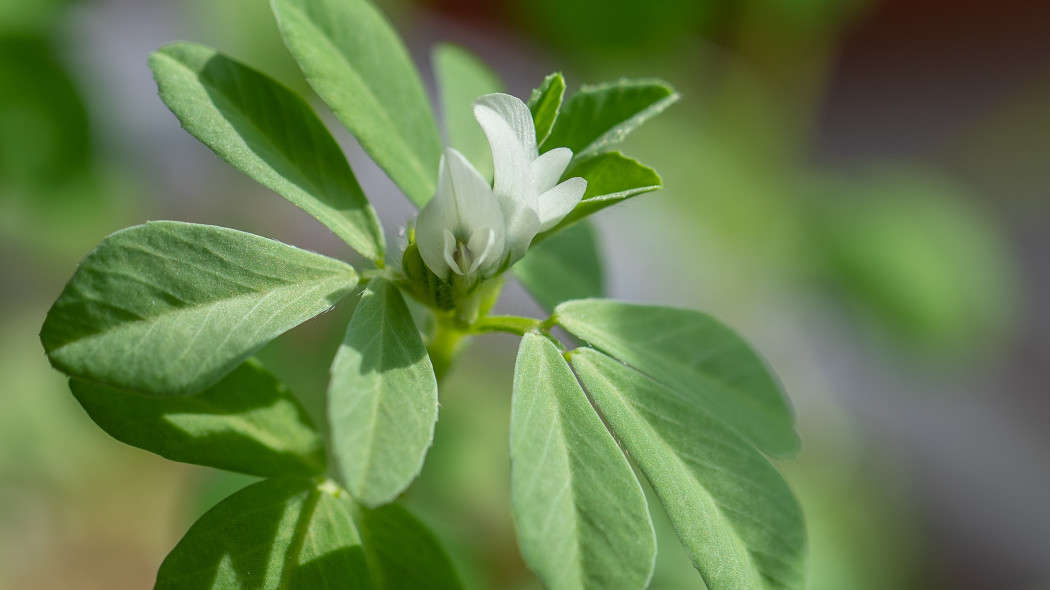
(858, 186)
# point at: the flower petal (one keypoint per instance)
(449, 252)
(437, 215)
(486, 246)
(556, 203)
(547, 169)
(521, 228)
(475, 205)
(517, 116)
(510, 158)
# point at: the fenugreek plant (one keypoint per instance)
(157, 328)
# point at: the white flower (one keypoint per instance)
(461, 230)
(526, 183)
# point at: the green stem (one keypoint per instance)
(517, 325)
(446, 344)
(507, 323)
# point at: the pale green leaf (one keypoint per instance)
(168, 308)
(461, 78)
(356, 62)
(695, 355)
(544, 104)
(270, 134)
(598, 117)
(248, 422)
(278, 534)
(735, 515)
(382, 398)
(402, 553)
(565, 266)
(580, 514)
(611, 178)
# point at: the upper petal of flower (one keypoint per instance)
(515, 114)
(511, 158)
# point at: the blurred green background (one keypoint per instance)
(858, 186)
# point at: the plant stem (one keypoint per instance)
(517, 325)
(446, 344)
(507, 323)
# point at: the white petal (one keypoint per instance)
(521, 228)
(556, 203)
(547, 169)
(486, 247)
(449, 252)
(517, 115)
(510, 160)
(475, 205)
(430, 227)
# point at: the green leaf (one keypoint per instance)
(247, 422)
(565, 266)
(695, 355)
(402, 553)
(566, 474)
(544, 104)
(168, 308)
(611, 178)
(735, 515)
(598, 117)
(461, 78)
(274, 535)
(382, 399)
(269, 133)
(356, 62)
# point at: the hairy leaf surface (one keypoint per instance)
(247, 422)
(356, 62)
(269, 133)
(402, 553)
(580, 514)
(611, 178)
(695, 355)
(598, 117)
(735, 515)
(545, 103)
(168, 308)
(382, 398)
(278, 534)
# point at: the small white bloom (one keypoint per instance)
(526, 183)
(461, 230)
